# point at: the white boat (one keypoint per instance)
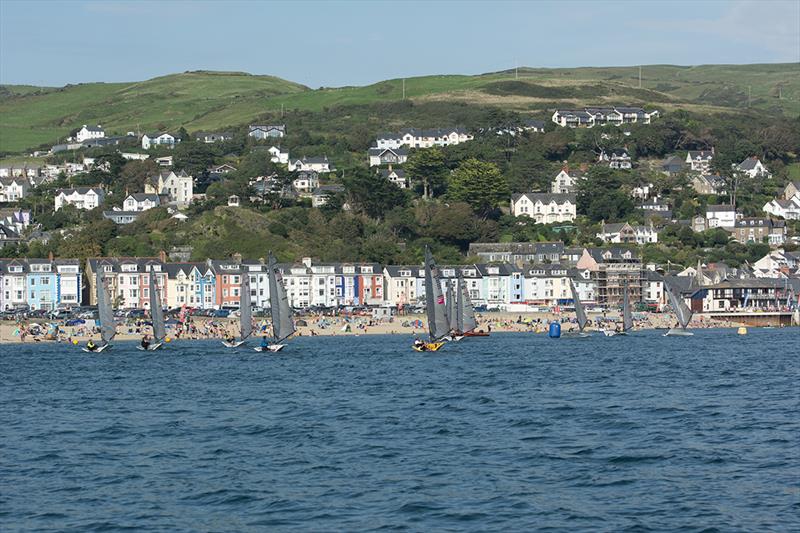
(682, 313)
(245, 313)
(156, 316)
(281, 312)
(464, 322)
(105, 314)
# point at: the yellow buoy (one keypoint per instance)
(75, 342)
(742, 330)
(167, 339)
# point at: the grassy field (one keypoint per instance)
(214, 100)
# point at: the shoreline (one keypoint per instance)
(201, 328)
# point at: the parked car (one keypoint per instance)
(221, 313)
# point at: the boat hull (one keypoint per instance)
(97, 350)
(273, 348)
(233, 344)
(476, 334)
(429, 347)
(678, 333)
(151, 348)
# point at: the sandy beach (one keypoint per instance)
(206, 328)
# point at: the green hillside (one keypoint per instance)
(208, 100)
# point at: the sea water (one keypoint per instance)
(515, 432)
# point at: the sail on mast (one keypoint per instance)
(156, 311)
(281, 312)
(627, 318)
(452, 309)
(245, 308)
(108, 328)
(682, 313)
(580, 314)
(467, 312)
(438, 326)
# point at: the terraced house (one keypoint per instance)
(422, 138)
(44, 284)
(544, 208)
(589, 117)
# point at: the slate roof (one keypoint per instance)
(720, 208)
(749, 163)
(381, 151)
(546, 197)
(80, 190)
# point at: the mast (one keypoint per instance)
(108, 328)
(156, 311)
(459, 305)
(245, 307)
(580, 314)
(282, 324)
(627, 319)
(452, 309)
(468, 322)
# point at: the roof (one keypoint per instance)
(749, 163)
(399, 172)
(381, 151)
(517, 248)
(80, 190)
(701, 154)
(97, 128)
(417, 132)
(617, 253)
(720, 208)
(143, 197)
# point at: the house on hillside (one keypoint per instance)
(322, 194)
(753, 168)
(544, 208)
(320, 165)
(306, 181)
(785, 209)
(613, 269)
(141, 202)
(423, 138)
(277, 155)
(617, 158)
(601, 116)
(700, 160)
(209, 137)
(566, 181)
(266, 131)
(721, 216)
(791, 190)
(625, 233)
(387, 156)
(150, 140)
(178, 188)
(13, 189)
(90, 132)
(709, 184)
(80, 197)
(121, 217)
(396, 176)
(758, 230)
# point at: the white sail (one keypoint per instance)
(466, 313)
(682, 313)
(627, 318)
(438, 325)
(245, 307)
(156, 311)
(105, 313)
(281, 312)
(580, 314)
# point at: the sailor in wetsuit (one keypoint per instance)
(264, 342)
(91, 346)
(419, 344)
(145, 342)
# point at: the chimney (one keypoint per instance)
(237, 258)
(50, 256)
(307, 262)
(162, 256)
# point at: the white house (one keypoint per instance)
(133, 156)
(278, 156)
(776, 263)
(396, 176)
(158, 139)
(786, 209)
(179, 188)
(80, 197)
(545, 208)
(616, 158)
(566, 181)
(387, 156)
(316, 164)
(721, 216)
(306, 181)
(700, 160)
(140, 202)
(601, 116)
(322, 194)
(753, 168)
(13, 189)
(90, 132)
(546, 284)
(266, 131)
(423, 138)
(627, 233)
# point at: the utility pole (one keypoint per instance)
(516, 69)
(404, 88)
(640, 77)
(281, 109)
(749, 92)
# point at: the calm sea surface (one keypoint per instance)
(515, 432)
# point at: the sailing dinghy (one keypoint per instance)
(438, 324)
(245, 313)
(157, 317)
(105, 315)
(465, 312)
(682, 313)
(627, 317)
(580, 314)
(282, 324)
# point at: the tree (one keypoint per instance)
(427, 166)
(371, 194)
(603, 195)
(479, 184)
